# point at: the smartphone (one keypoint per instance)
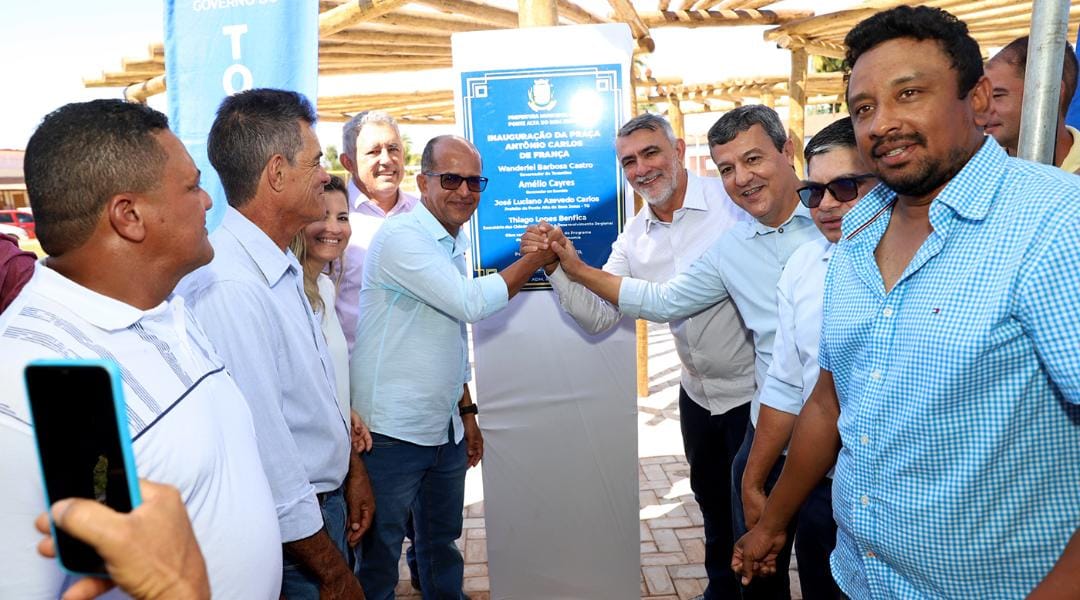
(80, 425)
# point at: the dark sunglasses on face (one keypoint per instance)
(844, 189)
(452, 181)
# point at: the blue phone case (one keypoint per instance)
(120, 408)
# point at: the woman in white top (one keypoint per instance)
(319, 247)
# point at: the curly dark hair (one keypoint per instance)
(920, 23)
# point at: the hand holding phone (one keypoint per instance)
(80, 426)
(150, 553)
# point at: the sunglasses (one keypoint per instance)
(452, 181)
(844, 189)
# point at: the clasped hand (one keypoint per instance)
(553, 244)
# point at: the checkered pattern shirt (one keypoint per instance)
(959, 389)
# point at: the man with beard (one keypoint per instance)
(683, 215)
(755, 158)
(950, 378)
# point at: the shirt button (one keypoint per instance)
(781, 230)
(865, 439)
(875, 374)
(871, 554)
(887, 312)
(865, 500)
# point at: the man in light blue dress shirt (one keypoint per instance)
(836, 179)
(755, 158)
(251, 302)
(682, 216)
(410, 368)
(950, 351)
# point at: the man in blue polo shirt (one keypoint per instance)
(950, 351)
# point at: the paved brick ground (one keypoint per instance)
(672, 546)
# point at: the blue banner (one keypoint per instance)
(547, 139)
(1072, 118)
(216, 48)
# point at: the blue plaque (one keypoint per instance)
(547, 137)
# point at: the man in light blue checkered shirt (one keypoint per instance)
(950, 352)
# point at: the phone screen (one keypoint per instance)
(79, 442)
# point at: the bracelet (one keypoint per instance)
(468, 409)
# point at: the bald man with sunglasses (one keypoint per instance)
(836, 179)
(410, 368)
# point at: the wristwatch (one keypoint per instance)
(468, 409)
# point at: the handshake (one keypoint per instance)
(552, 245)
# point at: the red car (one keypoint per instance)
(19, 218)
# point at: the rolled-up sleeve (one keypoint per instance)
(688, 293)
(591, 312)
(240, 323)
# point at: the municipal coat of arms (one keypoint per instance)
(540, 97)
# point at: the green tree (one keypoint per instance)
(411, 158)
(827, 64)
(331, 155)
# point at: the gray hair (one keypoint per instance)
(648, 121)
(355, 124)
(734, 122)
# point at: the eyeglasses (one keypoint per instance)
(844, 189)
(452, 181)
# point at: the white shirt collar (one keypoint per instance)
(98, 309)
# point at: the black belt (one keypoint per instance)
(322, 496)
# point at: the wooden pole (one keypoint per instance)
(675, 117)
(797, 106)
(537, 13)
(641, 326)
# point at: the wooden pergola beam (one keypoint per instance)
(813, 47)
(386, 68)
(482, 12)
(361, 62)
(797, 106)
(355, 11)
(731, 4)
(435, 119)
(625, 11)
(379, 100)
(139, 92)
(721, 18)
(365, 36)
(118, 79)
(576, 14)
(401, 104)
(432, 22)
(382, 50)
(129, 65)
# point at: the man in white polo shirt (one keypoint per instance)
(121, 214)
